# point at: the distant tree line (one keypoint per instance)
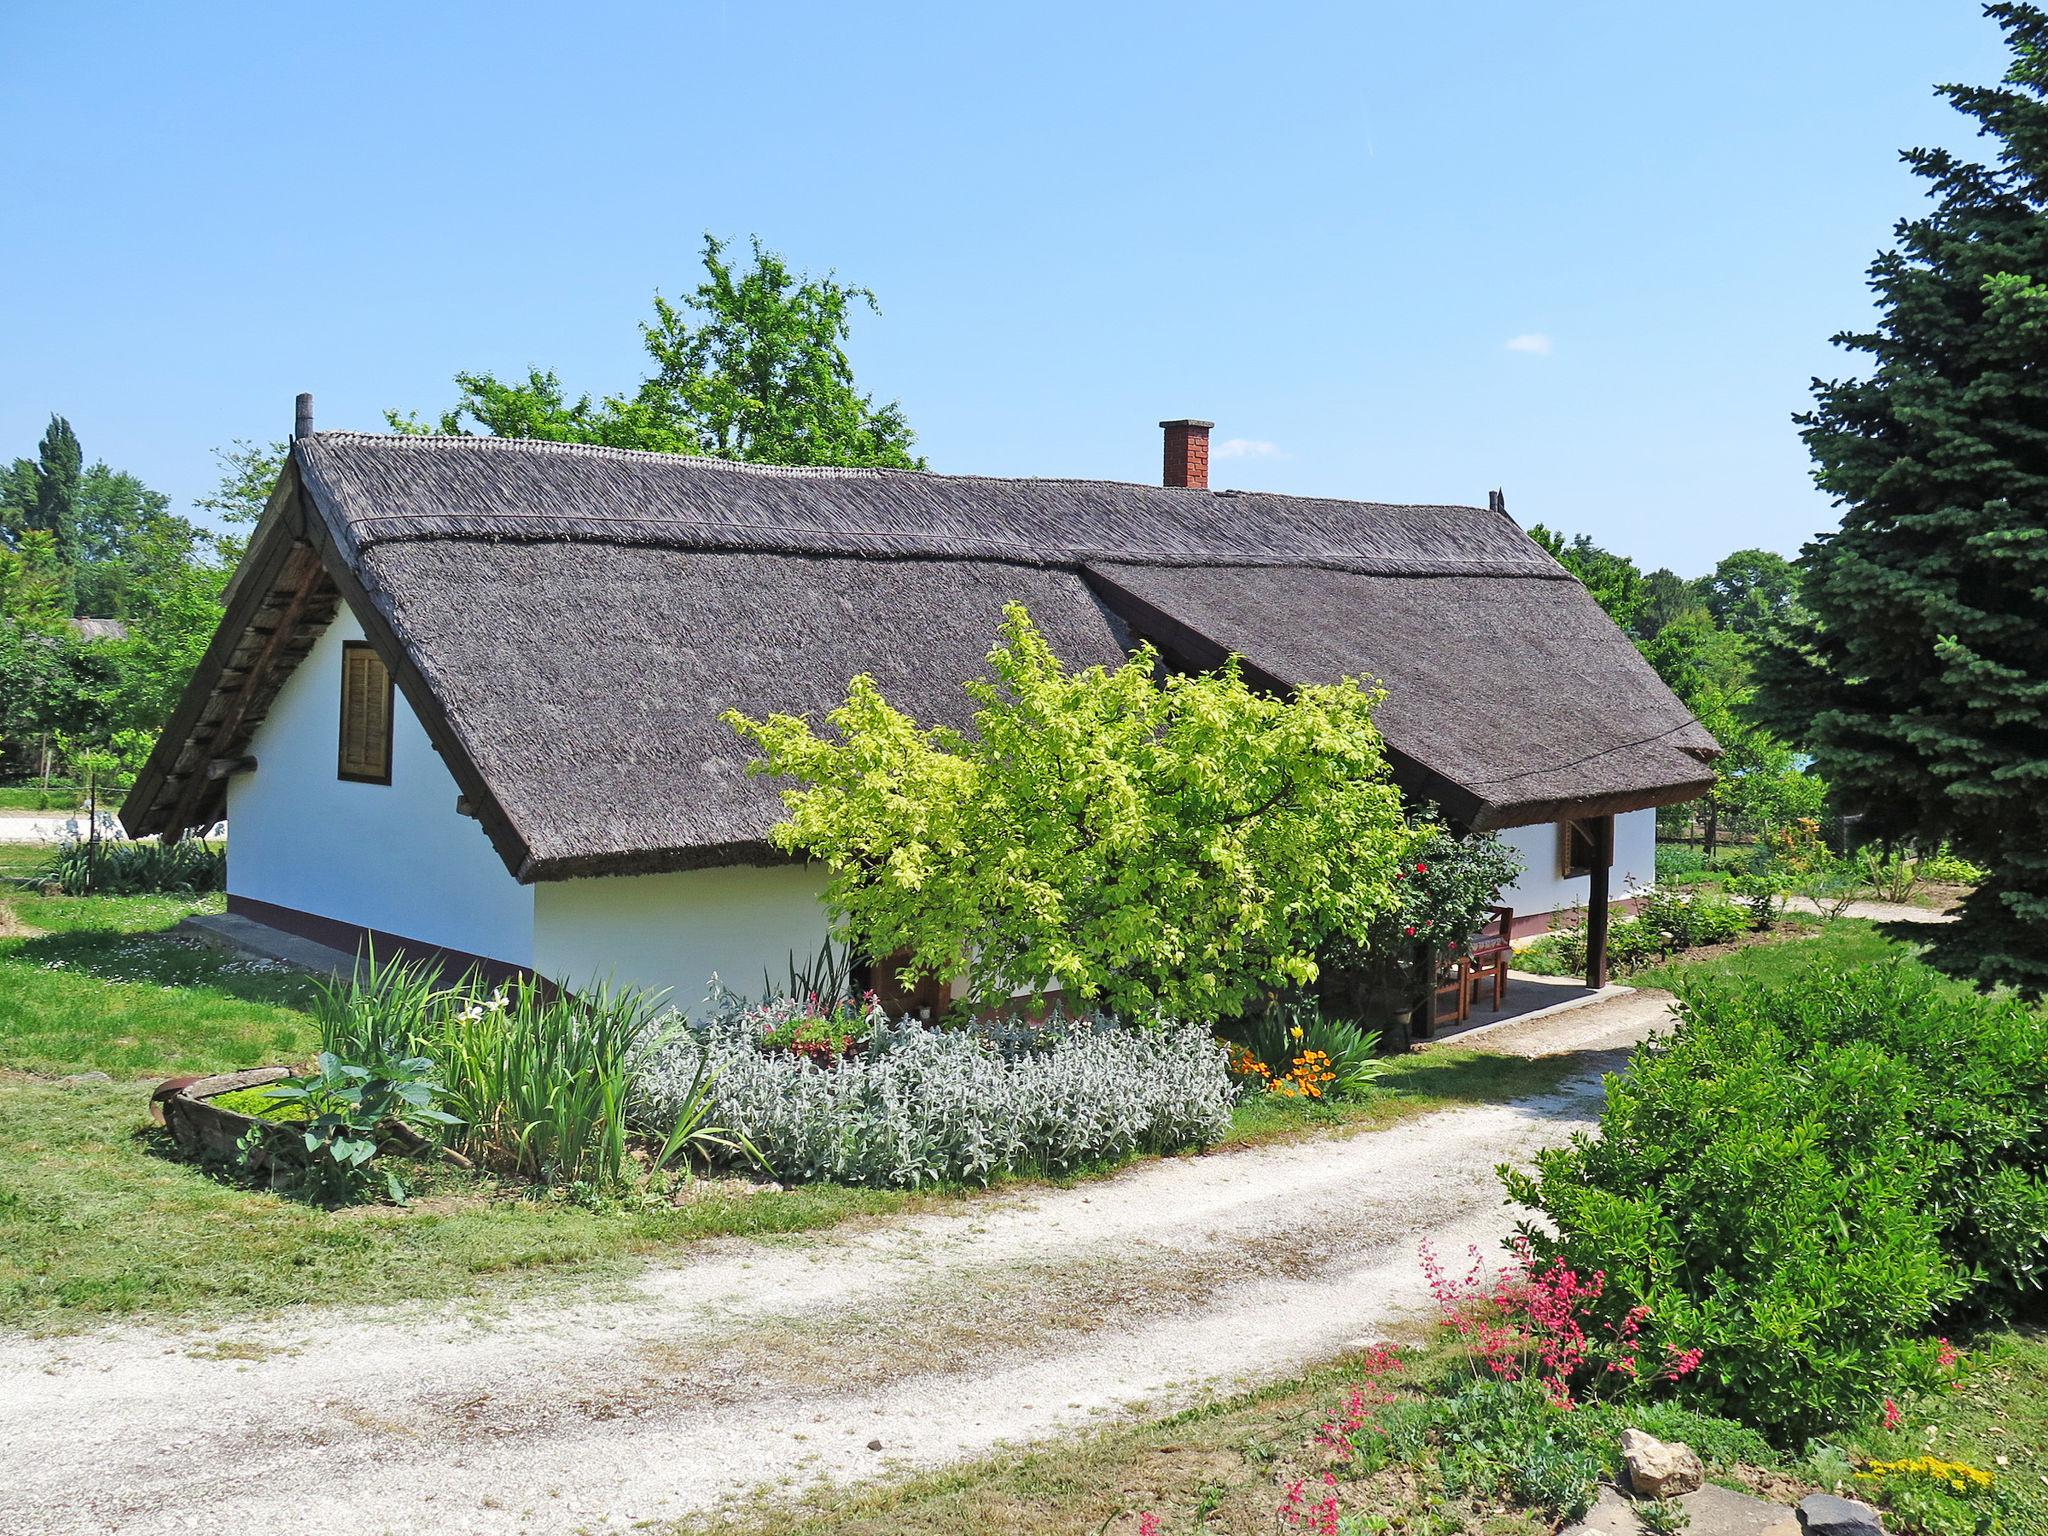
(81, 541)
(1704, 638)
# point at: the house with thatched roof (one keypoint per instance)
(466, 695)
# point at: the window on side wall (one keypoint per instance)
(1576, 841)
(365, 715)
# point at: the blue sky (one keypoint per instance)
(1591, 253)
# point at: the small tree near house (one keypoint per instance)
(1159, 844)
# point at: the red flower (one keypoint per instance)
(1891, 1414)
(1409, 930)
(1422, 869)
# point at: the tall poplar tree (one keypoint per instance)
(1915, 665)
(60, 463)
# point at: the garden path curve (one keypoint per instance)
(1004, 1318)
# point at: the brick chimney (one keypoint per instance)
(1187, 453)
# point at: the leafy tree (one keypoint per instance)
(1757, 776)
(1748, 591)
(1164, 844)
(1666, 595)
(1916, 667)
(248, 473)
(34, 594)
(17, 500)
(751, 366)
(1616, 582)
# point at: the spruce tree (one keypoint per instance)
(1915, 665)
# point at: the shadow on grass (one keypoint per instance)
(153, 957)
(1452, 1077)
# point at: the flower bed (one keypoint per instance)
(918, 1105)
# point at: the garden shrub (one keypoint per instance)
(1945, 867)
(1977, 1072)
(1692, 920)
(1675, 861)
(118, 867)
(1804, 1177)
(1665, 924)
(924, 1105)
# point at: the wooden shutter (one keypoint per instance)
(1575, 845)
(365, 715)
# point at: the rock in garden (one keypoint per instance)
(1656, 1470)
(1828, 1514)
(874, 1445)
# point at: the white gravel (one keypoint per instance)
(757, 1365)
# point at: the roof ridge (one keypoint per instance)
(850, 472)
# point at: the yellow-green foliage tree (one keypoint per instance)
(1158, 844)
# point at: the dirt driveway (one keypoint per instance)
(765, 1363)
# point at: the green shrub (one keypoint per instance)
(117, 867)
(1805, 1177)
(1665, 923)
(1946, 868)
(1506, 1440)
(1675, 861)
(344, 1112)
(1977, 1070)
(1692, 920)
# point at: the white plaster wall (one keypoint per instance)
(1542, 889)
(394, 857)
(672, 932)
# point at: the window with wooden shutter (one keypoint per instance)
(1575, 845)
(365, 715)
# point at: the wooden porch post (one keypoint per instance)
(1601, 829)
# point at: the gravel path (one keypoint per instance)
(1875, 911)
(775, 1363)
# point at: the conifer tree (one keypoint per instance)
(1915, 665)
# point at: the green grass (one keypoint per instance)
(1415, 1084)
(58, 797)
(1842, 941)
(99, 990)
(21, 861)
(96, 1222)
(97, 1219)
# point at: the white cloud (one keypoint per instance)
(1246, 448)
(1530, 341)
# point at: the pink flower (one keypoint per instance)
(1148, 1524)
(1891, 1414)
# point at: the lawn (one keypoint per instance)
(19, 861)
(97, 1004)
(1840, 941)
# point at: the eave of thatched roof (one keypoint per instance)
(1508, 700)
(569, 623)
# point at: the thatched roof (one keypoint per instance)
(569, 622)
